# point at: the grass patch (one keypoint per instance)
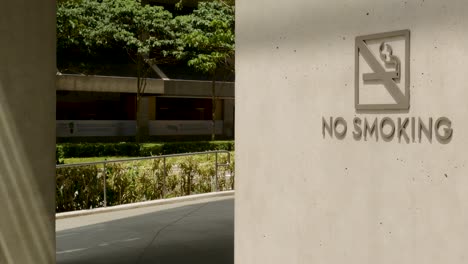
(90, 159)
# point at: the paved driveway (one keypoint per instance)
(200, 232)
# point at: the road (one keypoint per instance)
(194, 232)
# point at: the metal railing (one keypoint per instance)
(164, 158)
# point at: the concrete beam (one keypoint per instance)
(180, 88)
(91, 83)
(191, 88)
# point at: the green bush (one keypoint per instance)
(129, 149)
(59, 155)
(151, 150)
(187, 147)
(189, 168)
(206, 181)
(148, 139)
(79, 188)
(82, 150)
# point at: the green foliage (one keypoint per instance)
(75, 19)
(82, 150)
(205, 38)
(99, 149)
(151, 149)
(149, 139)
(206, 181)
(79, 188)
(103, 23)
(187, 147)
(189, 168)
(225, 183)
(59, 155)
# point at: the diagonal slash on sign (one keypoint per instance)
(380, 73)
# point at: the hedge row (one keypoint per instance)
(81, 150)
(82, 187)
(146, 139)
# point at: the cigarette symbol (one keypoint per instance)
(390, 60)
(389, 74)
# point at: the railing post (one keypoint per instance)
(105, 185)
(163, 191)
(216, 171)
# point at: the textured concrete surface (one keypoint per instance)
(190, 232)
(305, 198)
(27, 131)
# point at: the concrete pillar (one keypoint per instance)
(144, 115)
(311, 190)
(151, 107)
(228, 117)
(27, 131)
(219, 109)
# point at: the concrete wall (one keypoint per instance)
(101, 128)
(95, 128)
(184, 127)
(27, 133)
(303, 196)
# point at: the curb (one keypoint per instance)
(144, 204)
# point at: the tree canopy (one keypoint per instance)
(205, 38)
(93, 23)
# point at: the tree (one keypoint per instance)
(139, 29)
(75, 21)
(205, 39)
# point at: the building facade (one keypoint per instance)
(106, 106)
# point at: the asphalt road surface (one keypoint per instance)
(197, 232)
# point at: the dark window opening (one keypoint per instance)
(183, 108)
(95, 106)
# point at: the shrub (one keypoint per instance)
(79, 188)
(59, 155)
(187, 147)
(82, 150)
(206, 181)
(129, 149)
(189, 168)
(151, 150)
